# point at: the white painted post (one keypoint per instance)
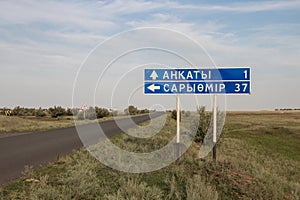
(178, 126)
(178, 118)
(215, 128)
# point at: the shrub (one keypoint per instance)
(102, 112)
(131, 110)
(20, 111)
(69, 112)
(204, 120)
(57, 111)
(39, 112)
(144, 111)
(174, 114)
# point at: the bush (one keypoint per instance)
(102, 112)
(144, 111)
(20, 111)
(174, 114)
(204, 120)
(57, 111)
(131, 110)
(74, 111)
(39, 112)
(69, 112)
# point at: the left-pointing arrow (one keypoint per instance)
(153, 87)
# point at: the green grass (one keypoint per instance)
(274, 133)
(257, 159)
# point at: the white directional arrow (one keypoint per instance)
(153, 87)
(153, 75)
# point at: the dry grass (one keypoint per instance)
(246, 168)
(12, 124)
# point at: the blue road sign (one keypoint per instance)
(237, 74)
(197, 81)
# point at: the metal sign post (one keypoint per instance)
(215, 128)
(84, 108)
(178, 126)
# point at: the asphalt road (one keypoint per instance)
(37, 149)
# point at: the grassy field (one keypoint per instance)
(14, 124)
(258, 158)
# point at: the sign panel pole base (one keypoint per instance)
(215, 152)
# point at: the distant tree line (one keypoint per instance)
(56, 112)
(282, 109)
(92, 113)
(131, 110)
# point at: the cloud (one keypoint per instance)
(93, 15)
(241, 7)
(53, 14)
(47, 40)
(119, 7)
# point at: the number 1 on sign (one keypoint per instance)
(246, 74)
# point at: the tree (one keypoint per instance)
(29, 111)
(144, 111)
(204, 120)
(102, 112)
(69, 112)
(57, 111)
(131, 110)
(39, 112)
(174, 114)
(18, 111)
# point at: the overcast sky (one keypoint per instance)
(44, 43)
